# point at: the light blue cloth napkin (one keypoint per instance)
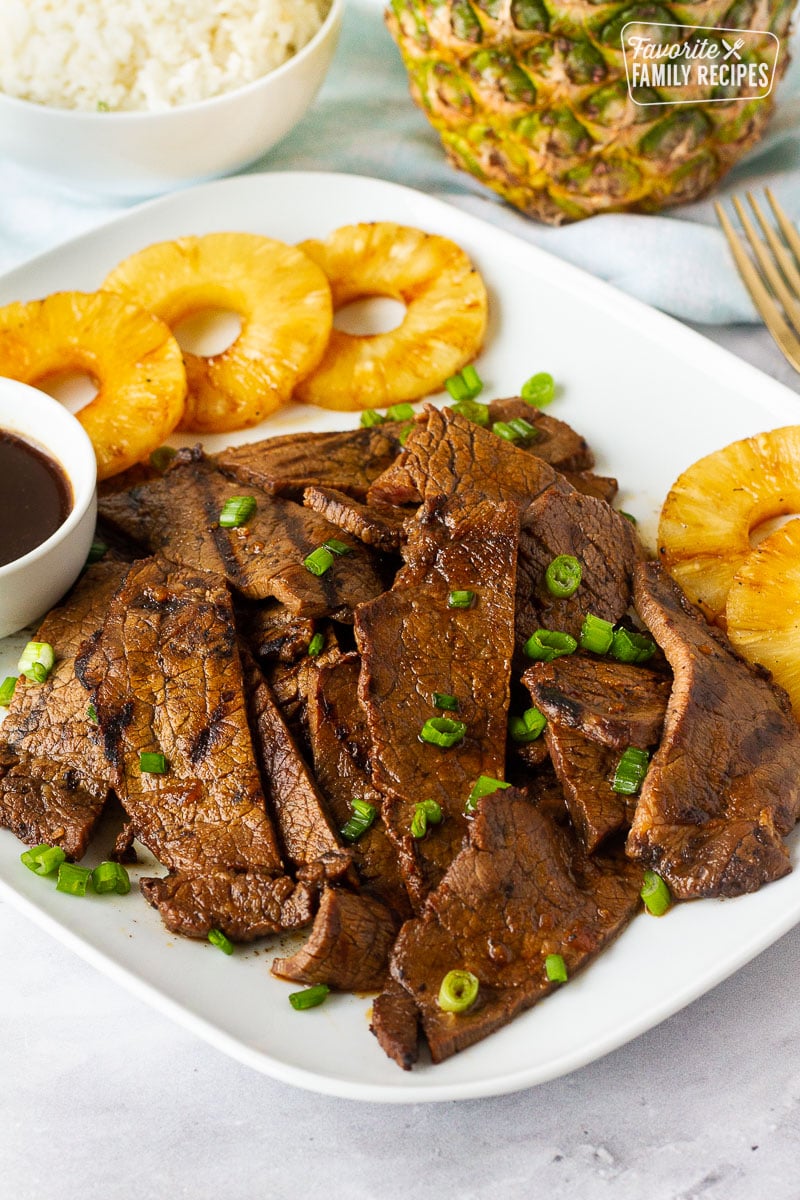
(364, 122)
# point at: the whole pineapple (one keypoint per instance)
(531, 97)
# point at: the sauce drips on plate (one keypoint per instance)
(35, 497)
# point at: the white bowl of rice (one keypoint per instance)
(122, 99)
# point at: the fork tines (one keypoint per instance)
(773, 280)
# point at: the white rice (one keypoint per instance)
(145, 55)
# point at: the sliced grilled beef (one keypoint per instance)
(379, 525)
(413, 645)
(724, 785)
(602, 487)
(54, 777)
(284, 466)
(555, 441)
(273, 631)
(177, 515)
(610, 702)
(520, 890)
(585, 770)
(395, 1023)
(349, 944)
(165, 677)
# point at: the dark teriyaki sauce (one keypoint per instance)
(35, 497)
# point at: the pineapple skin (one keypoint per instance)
(531, 98)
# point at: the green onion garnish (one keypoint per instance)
(463, 599)
(7, 689)
(563, 576)
(403, 433)
(504, 430)
(428, 812)
(466, 385)
(309, 997)
(523, 429)
(446, 701)
(316, 645)
(442, 731)
(539, 390)
(555, 968)
(236, 511)
(161, 457)
(400, 412)
(91, 713)
(628, 517)
(631, 770)
(630, 647)
(484, 786)
(363, 816)
(218, 939)
(152, 764)
(472, 379)
(370, 417)
(72, 879)
(458, 991)
(655, 893)
(37, 661)
(473, 411)
(337, 547)
(597, 635)
(546, 644)
(528, 727)
(43, 859)
(318, 561)
(96, 551)
(111, 877)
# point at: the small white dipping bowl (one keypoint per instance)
(31, 585)
(137, 154)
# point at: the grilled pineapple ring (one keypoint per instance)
(131, 355)
(704, 531)
(441, 332)
(282, 297)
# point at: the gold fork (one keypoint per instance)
(774, 284)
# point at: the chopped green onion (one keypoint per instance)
(539, 390)
(630, 647)
(473, 411)
(402, 436)
(523, 429)
(528, 727)
(161, 457)
(7, 689)
(152, 764)
(631, 770)
(236, 511)
(96, 551)
(318, 561)
(628, 517)
(91, 713)
(458, 991)
(563, 576)
(400, 412)
(370, 417)
(310, 997)
(44, 859)
(446, 701)
(655, 893)
(472, 379)
(466, 385)
(363, 816)
(111, 877)
(316, 645)
(457, 388)
(102, 106)
(463, 599)
(504, 430)
(37, 661)
(442, 731)
(484, 786)
(597, 635)
(218, 939)
(72, 879)
(546, 644)
(337, 547)
(426, 813)
(555, 968)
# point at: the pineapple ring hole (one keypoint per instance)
(369, 316)
(763, 529)
(73, 388)
(208, 332)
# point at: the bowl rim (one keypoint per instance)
(326, 29)
(83, 487)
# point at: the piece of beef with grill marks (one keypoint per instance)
(447, 455)
(615, 703)
(555, 441)
(349, 944)
(395, 1023)
(413, 645)
(340, 745)
(520, 890)
(347, 460)
(382, 526)
(165, 678)
(585, 770)
(177, 515)
(54, 777)
(273, 631)
(724, 785)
